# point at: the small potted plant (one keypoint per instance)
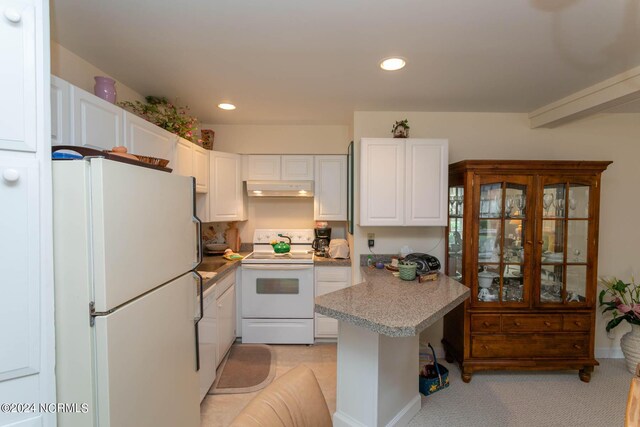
(161, 112)
(401, 129)
(622, 300)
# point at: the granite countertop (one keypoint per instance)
(319, 261)
(218, 265)
(390, 306)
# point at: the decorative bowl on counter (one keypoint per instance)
(216, 247)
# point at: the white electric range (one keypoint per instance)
(278, 289)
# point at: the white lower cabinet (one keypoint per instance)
(226, 319)
(20, 272)
(329, 279)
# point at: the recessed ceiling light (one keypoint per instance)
(392, 64)
(257, 191)
(302, 192)
(226, 106)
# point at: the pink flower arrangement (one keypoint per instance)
(623, 303)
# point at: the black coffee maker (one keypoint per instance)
(321, 242)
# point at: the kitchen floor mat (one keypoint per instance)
(247, 368)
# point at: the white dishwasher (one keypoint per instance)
(208, 341)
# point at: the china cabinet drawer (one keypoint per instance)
(530, 345)
(485, 323)
(576, 322)
(531, 323)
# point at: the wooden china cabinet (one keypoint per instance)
(523, 235)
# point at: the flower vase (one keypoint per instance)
(630, 344)
(105, 88)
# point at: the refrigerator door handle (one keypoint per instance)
(198, 221)
(198, 318)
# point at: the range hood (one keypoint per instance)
(280, 188)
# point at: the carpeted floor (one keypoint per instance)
(495, 399)
(523, 399)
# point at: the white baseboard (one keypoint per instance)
(609, 353)
(410, 410)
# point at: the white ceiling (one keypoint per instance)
(315, 62)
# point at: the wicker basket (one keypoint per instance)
(407, 270)
(155, 161)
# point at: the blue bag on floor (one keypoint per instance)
(436, 379)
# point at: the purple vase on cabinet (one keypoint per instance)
(105, 88)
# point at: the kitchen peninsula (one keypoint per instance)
(380, 321)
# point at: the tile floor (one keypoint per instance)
(219, 410)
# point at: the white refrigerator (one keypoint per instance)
(126, 242)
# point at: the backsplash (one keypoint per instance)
(385, 258)
(213, 232)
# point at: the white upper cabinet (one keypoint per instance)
(382, 182)
(18, 83)
(226, 195)
(96, 123)
(201, 168)
(145, 138)
(60, 112)
(403, 182)
(192, 160)
(297, 168)
(330, 195)
(276, 168)
(184, 158)
(263, 168)
(426, 182)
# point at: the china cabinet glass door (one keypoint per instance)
(502, 237)
(564, 233)
(456, 232)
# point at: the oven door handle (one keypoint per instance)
(277, 267)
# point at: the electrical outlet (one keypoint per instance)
(371, 239)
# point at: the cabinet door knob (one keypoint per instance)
(577, 346)
(11, 175)
(485, 347)
(12, 15)
(547, 323)
(516, 323)
(528, 242)
(578, 323)
(540, 242)
(486, 324)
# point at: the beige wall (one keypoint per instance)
(273, 139)
(508, 136)
(72, 68)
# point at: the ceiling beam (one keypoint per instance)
(617, 90)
